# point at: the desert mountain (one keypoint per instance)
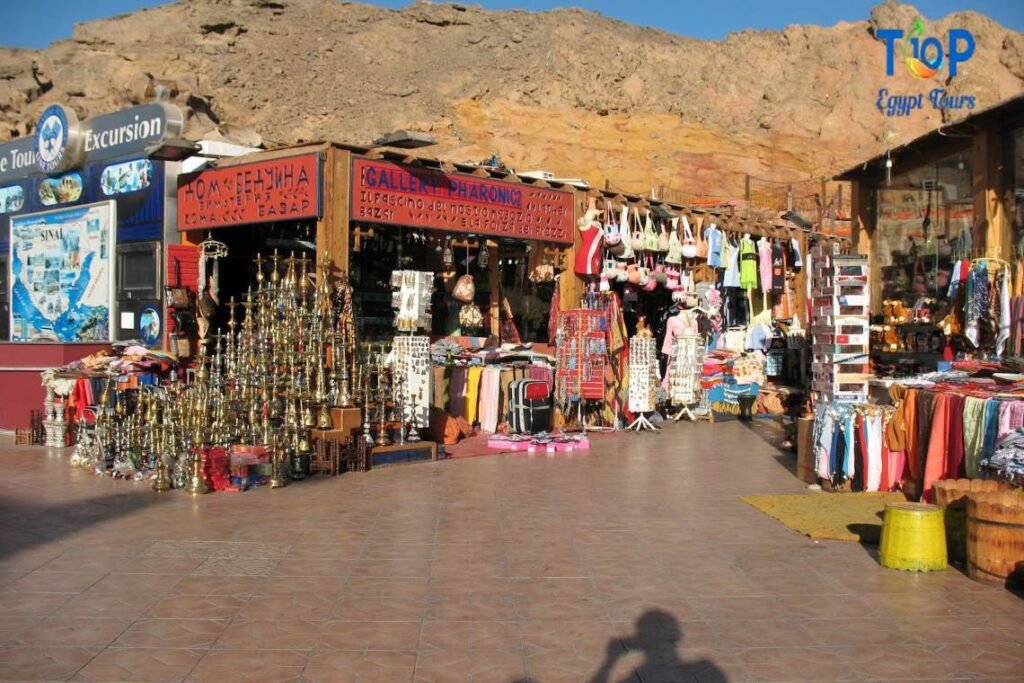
(567, 90)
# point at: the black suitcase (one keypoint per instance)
(528, 415)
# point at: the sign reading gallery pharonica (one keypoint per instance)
(398, 194)
(261, 192)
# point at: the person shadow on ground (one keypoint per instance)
(658, 636)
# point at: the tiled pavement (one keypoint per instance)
(634, 561)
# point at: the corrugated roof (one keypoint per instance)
(1013, 104)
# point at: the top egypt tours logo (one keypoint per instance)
(925, 57)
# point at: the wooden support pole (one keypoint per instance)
(493, 273)
(987, 164)
(862, 225)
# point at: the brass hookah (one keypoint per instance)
(382, 394)
(265, 380)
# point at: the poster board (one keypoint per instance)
(62, 274)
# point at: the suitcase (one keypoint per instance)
(529, 406)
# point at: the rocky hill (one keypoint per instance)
(568, 91)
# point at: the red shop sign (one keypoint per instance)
(260, 192)
(386, 192)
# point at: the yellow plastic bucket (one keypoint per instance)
(913, 538)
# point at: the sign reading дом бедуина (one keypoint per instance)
(61, 142)
(925, 58)
(286, 188)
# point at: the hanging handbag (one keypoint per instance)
(639, 240)
(626, 240)
(660, 276)
(470, 316)
(689, 248)
(673, 279)
(612, 237)
(650, 236)
(651, 283)
(465, 289)
(663, 236)
(675, 247)
(179, 296)
(702, 243)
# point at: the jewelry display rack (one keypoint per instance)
(412, 367)
(685, 373)
(643, 381)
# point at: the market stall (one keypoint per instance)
(928, 387)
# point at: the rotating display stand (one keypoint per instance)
(684, 374)
(643, 381)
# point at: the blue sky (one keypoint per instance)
(36, 24)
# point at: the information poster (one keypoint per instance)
(62, 274)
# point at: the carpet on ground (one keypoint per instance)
(853, 517)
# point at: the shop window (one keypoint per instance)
(521, 301)
(1017, 185)
(925, 222)
(12, 198)
(60, 190)
(129, 176)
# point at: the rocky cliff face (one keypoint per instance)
(568, 91)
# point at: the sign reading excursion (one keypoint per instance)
(262, 192)
(386, 192)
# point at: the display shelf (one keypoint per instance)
(582, 353)
(839, 326)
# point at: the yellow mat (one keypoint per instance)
(836, 516)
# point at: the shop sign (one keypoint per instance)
(61, 142)
(398, 194)
(260, 192)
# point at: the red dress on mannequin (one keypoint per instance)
(588, 256)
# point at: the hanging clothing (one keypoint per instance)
(764, 257)
(1011, 416)
(457, 398)
(713, 236)
(778, 269)
(732, 268)
(588, 254)
(938, 447)
(471, 408)
(490, 399)
(683, 323)
(978, 302)
(1004, 313)
(798, 260)
(990, 428)
(973, 423)
(955, 454)
(748, 264)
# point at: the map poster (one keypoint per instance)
(62, 274)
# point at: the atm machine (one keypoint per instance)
(140, 311)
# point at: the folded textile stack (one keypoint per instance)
(1008, 458)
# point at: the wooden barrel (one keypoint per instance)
(995, 534)
(954, 492)
(951, 496)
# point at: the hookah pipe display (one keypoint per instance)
(266, 381)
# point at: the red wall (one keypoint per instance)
(21, 387)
